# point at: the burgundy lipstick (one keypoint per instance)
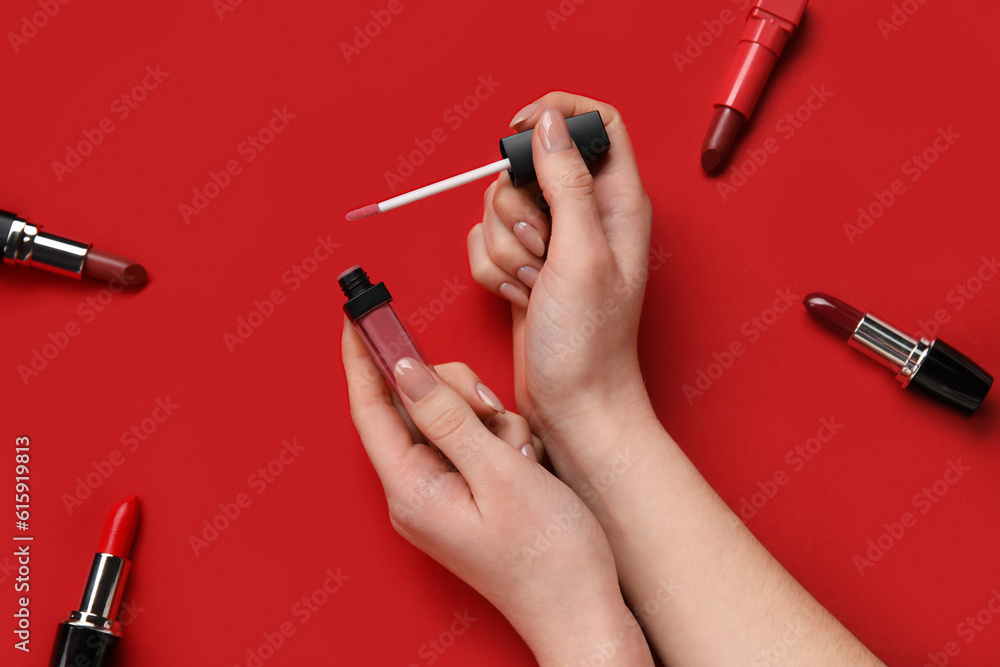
(91, 634)
(25, 245)
(933, 366)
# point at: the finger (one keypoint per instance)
(464, 380)
(452, 425)
(617, 184)
(508, 252)
(518, 210)
(534, 449)
(621, 157)
(383, 431)
(510, 427)
(489, 275)
(568, 186)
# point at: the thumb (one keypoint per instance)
(568, 187)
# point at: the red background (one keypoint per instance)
(783, 229)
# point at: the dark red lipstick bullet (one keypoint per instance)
(933, 366)
(768, 27)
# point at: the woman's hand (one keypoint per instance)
(583, 263)
(495, 517)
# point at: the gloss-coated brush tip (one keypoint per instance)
(363, 212)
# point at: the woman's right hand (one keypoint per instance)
(583, 263)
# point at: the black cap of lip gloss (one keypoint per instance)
(951, 376)
(361, 295)
(587, 131)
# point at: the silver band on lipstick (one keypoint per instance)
(890, 347)
(26, 246)
(102, 595)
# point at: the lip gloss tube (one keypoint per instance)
(369, 308)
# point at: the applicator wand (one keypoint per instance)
(587, 131)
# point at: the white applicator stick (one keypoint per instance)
(587, 131)
(429, 190)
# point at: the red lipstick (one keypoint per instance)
(933, 366)
(768, 27)
(24, 244)
(91, 633)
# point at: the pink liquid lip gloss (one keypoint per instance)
(370, 310)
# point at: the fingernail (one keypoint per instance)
(530, 237)
(524, 114)
(513, 294)
(555, 134)
(529, 451)
(489, 398)
(528, 275)
(413, 379)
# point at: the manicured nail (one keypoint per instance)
(555, 134)
(489, 398)
(529, 451)
(413, 379)
(530, 237)
(524, 114)
(514, 295)
(528, 275)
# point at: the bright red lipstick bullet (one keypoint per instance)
(768, 27)
(119, 529)
(91, 634)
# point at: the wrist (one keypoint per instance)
(608, 636)
(584, 435)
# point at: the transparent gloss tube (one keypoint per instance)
(369, 308)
